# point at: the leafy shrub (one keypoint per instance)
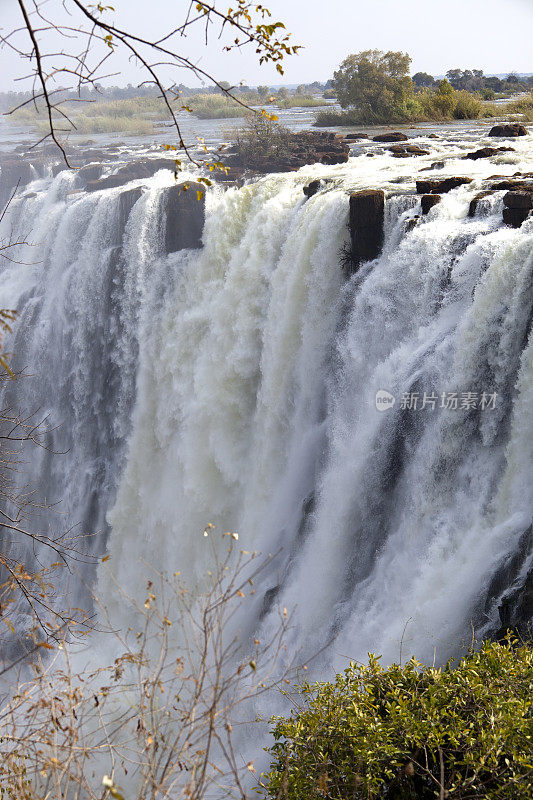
(326, 119)
(443, 100)
(261, 142)
(522, 106)
(301, 101)
(467, 106)
(411, 732)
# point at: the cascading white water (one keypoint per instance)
(243, 377)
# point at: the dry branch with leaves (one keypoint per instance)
(71, 44)
(161, 718)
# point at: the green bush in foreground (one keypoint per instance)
(412, 732)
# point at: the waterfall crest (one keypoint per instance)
(236, 384)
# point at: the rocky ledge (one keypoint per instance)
(488, 152)
(305, 147)
(440, 185)
(508, 129)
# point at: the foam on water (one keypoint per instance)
(236, 385)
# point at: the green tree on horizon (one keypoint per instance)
(377, 84)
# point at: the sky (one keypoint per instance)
(492, 35)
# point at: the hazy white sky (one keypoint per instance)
(493, 35)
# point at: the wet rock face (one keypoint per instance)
(315, 186)
(515, 609)
(440, 186)
(91, 172)
(406, 150)
(127, 200)
(394, 136)
(13, 169)
(355, 136)
(435, 165)
(185, 217)
(428, 201)
(367, 213)
(512, 184)
(143, 168)
(508, 129)
(520, 199)
(487, 152)
(474, 203)
(515, 216)
(518, 205)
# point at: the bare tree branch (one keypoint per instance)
(89, 26)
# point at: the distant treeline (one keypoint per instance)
(474, 80)
(9, 100)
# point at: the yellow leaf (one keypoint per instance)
(5, 365)
(199, 195)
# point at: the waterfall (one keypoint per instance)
(236, 384)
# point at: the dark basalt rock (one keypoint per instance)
(428, 201)
(508, 129)
(13, 169)
(312, 188)
(516, 608)
(475, 202)
(433, 136)
(367, 213)
(315, 186)
(144, 168)
(487, 152)
(304, 147)
(91, 172)
(355, 136)
(510, 184)
(127, 200)
(515, 216)
(435, 165)
(440, 186)
(185, 217)
(517, 204)
(515, 593)
(395, 136)
(521, 199)
(407, 150)
(334, 158)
